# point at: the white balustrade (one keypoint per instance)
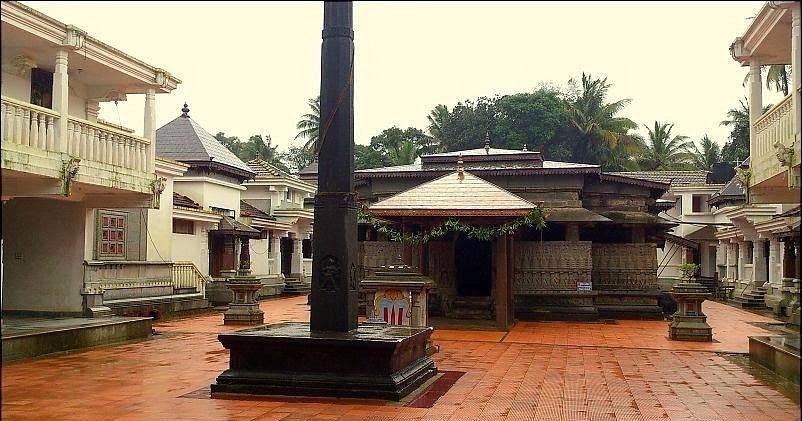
(105, 144)
(776, 125)
(31, 125)
(187, 275)
(27, 124)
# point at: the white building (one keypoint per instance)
(761, 251)
(692, 240)
(63, 168)
(226, 213)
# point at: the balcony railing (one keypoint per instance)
(92, 141)
(187, 275)
(34, 126)
(776, 125)
(28, 124)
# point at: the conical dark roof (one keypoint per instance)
(186, 141)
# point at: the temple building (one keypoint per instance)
(596, 257)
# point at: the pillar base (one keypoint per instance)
(372, 361)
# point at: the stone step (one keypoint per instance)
(295, 286)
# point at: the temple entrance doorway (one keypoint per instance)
(473, 261)
(286, 256)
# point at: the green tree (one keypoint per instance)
(736, 149)
(309, 127)
(366, 157)
(533, 120)
(705, 154)
(295, 158)
(256, 146)
(400, 147)
(776, 77)
(468, 124)
(596, 122)
(663, 151)
(437, 118)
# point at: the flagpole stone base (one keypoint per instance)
(372, 361)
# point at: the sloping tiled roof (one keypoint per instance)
(483, 152)
(185, 140)
(732, 191)
(451, 195)
(232, 226)
(246, 209)
(183, 201)
(263, 168)
(474, 166)
(309, 169)
(675, 178)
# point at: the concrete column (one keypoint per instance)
(61, 95)
(732, 270)
(741, 247)
(297, 256)
(755, 100)
(149, 131)
(759, 261)
(774, 261)
(502, 282)
(275, 244)
(796, 63)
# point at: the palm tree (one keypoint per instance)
(309, 126)
(777, 76)
(596, 122)
(437, 118)
(664, 152)
(705, 154)
(404, 152)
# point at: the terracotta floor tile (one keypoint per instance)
(538, 371)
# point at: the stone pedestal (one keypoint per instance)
(791, 299)
(93, 304)
(218, 293)
(397, 295)
(689, 323)
(373, 361)
(244, 310)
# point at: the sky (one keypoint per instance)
(250, 67)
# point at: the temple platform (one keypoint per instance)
(777, 353)
(28, 337)
(373, 361)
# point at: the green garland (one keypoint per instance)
(535, 218)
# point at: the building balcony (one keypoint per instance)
(775, 155)
(54, 145)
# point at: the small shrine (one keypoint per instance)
(689, 323)
(397, 295)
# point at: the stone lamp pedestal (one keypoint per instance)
(244, 310)
(397, 295)
(689, 323)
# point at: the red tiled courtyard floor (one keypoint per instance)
(544, 371)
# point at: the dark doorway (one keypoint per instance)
(217, 244)
(286, 256)
(473, 259)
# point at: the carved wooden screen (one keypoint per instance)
(441, 267)
(631, 267)
(550, 266)
(373, 254)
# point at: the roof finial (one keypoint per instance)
(524, 149)
(487, 143)
(460, 168)
(185, 111)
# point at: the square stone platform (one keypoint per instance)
(372, 361)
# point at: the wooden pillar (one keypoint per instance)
(511, 279)
(406, 248)
(502, 283)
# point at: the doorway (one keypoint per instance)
(286, 256)
(473, 261)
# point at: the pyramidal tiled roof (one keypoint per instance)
(185, 140)
(263, 168)
(454, 194)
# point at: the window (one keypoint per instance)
(41, 88)
(699, 203)
(183, 226)
(288, 195)
(306, 248)
(113, 226)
